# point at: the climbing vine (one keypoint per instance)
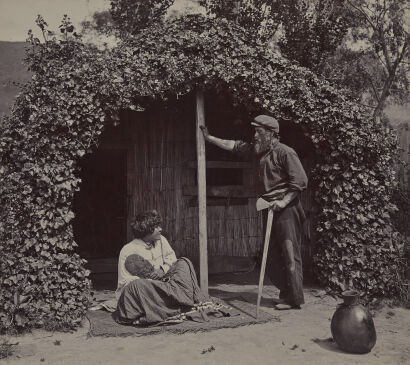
(77, 89)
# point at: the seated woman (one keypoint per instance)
(152, 284)
(150, 245)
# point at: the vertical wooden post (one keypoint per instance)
(201, 172)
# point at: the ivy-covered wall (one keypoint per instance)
(77, 89)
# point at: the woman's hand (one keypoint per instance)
(157, 274)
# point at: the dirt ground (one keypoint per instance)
(295, 337)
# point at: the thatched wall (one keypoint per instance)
(161, 174)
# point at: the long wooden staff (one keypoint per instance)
(260, 205)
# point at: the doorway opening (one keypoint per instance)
(100, 205)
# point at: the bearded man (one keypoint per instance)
(281, 180)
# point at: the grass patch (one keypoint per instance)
(6, 348)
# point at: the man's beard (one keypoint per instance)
(262, 146)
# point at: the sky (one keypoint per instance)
(18, 16)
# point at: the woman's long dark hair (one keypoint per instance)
(145, 223)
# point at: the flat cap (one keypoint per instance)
(266, 122)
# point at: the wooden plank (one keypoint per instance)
(223, 191)
(201, 180)
(222, 165)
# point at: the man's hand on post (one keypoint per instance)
(225, 144)
(157, 274)
(205, 132)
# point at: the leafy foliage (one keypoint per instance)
(130, 16)
(260, 17)
(77, 89)
(126, 17)
(379, 57)
(310, 31)
(361, 45)
(6, 348)
(313, 30)
(101, 22)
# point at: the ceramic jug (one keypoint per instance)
(352, 325)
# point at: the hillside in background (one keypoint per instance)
(12, 71)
